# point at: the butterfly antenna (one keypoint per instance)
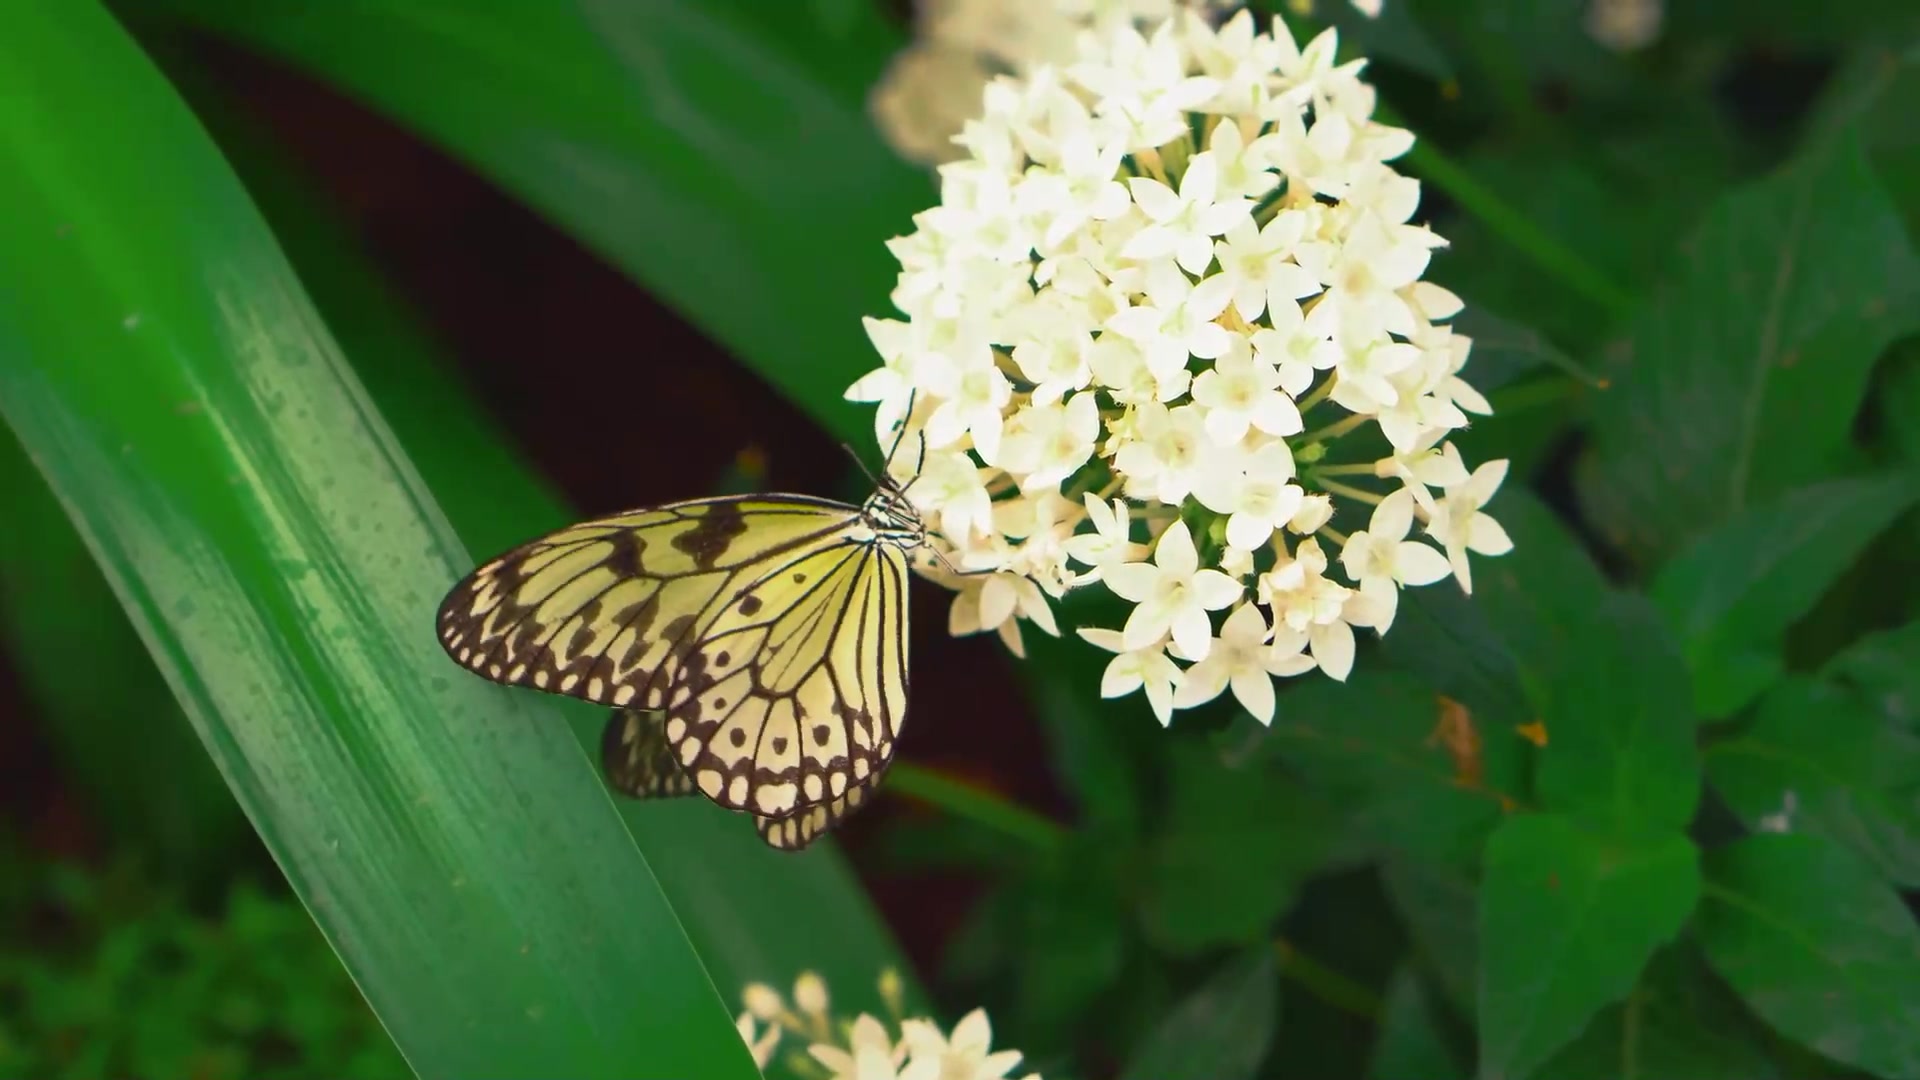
(906, 420)
(855, 455)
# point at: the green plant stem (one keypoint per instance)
(983, 807)
(1435, 167)
(1325, 983)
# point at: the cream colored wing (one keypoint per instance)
(607, 609)
(803, 827)
(794, 694)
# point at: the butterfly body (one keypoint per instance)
(770, 630)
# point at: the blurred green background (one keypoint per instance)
(301, 307)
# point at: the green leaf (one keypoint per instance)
(1221, 1031)
(1742, 378)
(1504, 350)
(753, 914)
(1375, 748)
(1678, 1021)
(1620, 735)
(1411, 1044)
(1885, 669)
(1234, 846)
(1567, 920)
(1732, 594)
(278, 554)
(122, 740)
(1438, 903)
(1813, 941)
(1819, 760)
(1540, 597)
(705, 159)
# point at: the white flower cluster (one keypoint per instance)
(863, 1049)
(1167, 278)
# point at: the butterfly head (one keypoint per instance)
(891, 515)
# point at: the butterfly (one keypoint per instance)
(753, 647)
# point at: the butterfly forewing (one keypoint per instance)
(604, 610)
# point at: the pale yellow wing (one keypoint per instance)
(795, 693)
(607, 609)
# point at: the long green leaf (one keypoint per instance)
(281, 559)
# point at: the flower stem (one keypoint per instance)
(1343, 470)
(1334, 430)
(1515, 228)
(1334, 487)
(977, 805)
(1325, 983)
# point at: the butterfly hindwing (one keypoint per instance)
(795, 692)
(638, 759)
(640, 764)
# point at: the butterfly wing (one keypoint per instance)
(640, 764)
(604, 610)
(803, 827)
(795, 692)
(638, 759)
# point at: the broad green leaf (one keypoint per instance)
(1234, 845)
(1411, 1043)
(1743, 376)
(1816, 944)
(1069, 935)
(1809, 26)
(1819, 760)
(1620, 735)
(1407, 773)
(1394, 35)
(1438, 905)
(1540, 597)
(1094, 744)
(1732, 594)
(1567, 920)
(752, 913)
(1885, 669)
(1221, 1031)
(706, 159)
(279, 556)
(1677, 1021)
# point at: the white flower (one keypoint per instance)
(989, 602)
(1240, 657)
(1315, 510)
(1460, 525)
(1184, 225)
(1259, 262)
(1306, 601)
(1173, 594)
(1057, 363)
(1380, 559)
(1109, 544)
(1243, 390)
(761, 1044)
(1253, 489)
(950, 492)
(1048, 443)
(971, 392)
(1424, 466)
(1177, 320)
(1145, 669)
(1298, 346)
(870, 1055)
(965, 1056)
(1167, 454)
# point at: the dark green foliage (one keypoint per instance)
(108, 974)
